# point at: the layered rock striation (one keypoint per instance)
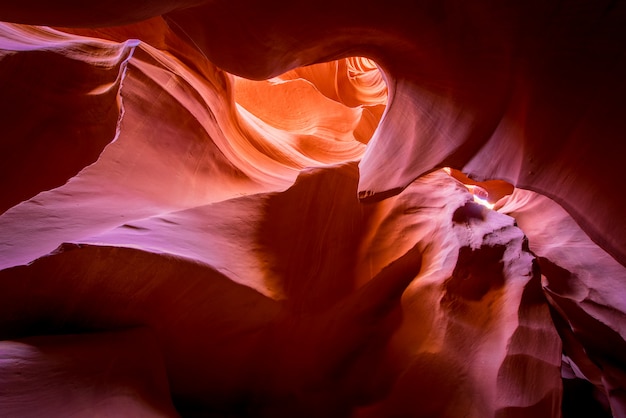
(195, 221)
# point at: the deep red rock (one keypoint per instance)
(287, 247)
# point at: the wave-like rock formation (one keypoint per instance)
(270, 209)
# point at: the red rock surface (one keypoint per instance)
(178, 239)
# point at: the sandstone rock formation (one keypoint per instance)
(197, 221)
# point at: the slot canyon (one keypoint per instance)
(323, 209)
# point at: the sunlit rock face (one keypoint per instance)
(195, 221)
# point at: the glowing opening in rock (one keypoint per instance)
(480, 195)
(485, 193)
(336, 101)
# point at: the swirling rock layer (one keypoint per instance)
(178, 239)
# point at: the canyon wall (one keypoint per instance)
(270, 209)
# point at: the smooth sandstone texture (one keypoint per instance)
(334, 332)
(103, 374)
(276, 246)
(60, 107)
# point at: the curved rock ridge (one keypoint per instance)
(474, 86)
(60, 107)
(336, 330)
(202, 147)
(583, 285)
(288, 246)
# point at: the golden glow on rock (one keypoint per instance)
(341, 100)
(486, 193)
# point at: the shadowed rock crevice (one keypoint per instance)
(477, 272)
(310, 234)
